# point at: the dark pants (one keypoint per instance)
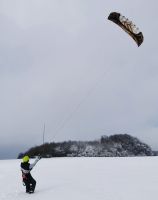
(30, 183)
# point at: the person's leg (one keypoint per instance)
(27, 184)
(32, 184)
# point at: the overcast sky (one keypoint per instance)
(64, 64)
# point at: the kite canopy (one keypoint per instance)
(128, 26)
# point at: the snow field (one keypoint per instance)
(132, 178)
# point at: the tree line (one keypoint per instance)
(120, 145)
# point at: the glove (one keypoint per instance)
(38, 158)
(23, 183)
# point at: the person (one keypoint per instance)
(27, 178)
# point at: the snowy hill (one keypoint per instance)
(119, 145)
(83, 179)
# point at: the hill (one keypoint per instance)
(122, 145)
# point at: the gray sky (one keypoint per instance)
(64, 64)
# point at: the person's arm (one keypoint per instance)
(35, 162)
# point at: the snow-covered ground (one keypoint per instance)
(84, 179)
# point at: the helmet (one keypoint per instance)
(26, 159)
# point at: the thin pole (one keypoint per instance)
(44, 133)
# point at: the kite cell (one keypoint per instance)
(127, 26)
